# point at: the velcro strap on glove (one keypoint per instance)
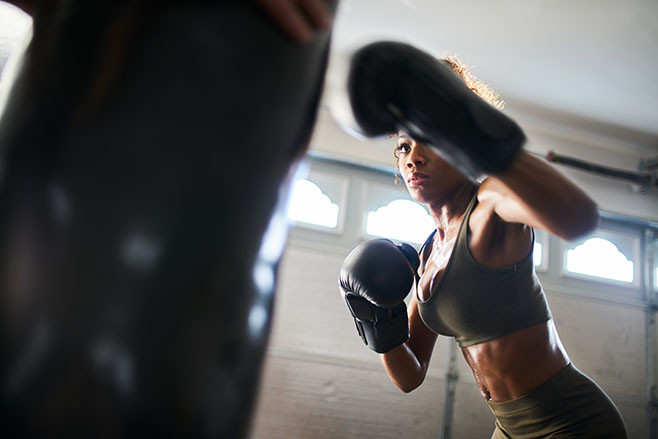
(381, 329)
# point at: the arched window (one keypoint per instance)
(401, 220)
(308, 204)
(601, 258)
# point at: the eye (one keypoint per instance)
(402, 148)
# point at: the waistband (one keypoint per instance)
(540, 395)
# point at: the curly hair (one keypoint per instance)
(472, 82)
(478, 87)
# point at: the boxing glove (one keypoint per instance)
(395, 87)
(374, 279)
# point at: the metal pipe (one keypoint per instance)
(650, 248)
(452, 377)
(641, 178)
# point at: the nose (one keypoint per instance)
(416, 157)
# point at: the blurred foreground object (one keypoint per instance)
(144, 146)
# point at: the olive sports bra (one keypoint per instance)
(474, 303)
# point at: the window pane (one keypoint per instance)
(540, 250)
(310, 205)
(600, 257)
(537, 254)
(402, 220)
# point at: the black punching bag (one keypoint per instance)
(144, 148)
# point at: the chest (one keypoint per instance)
(435, 266)
(438, 253)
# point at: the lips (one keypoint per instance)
(417, 179)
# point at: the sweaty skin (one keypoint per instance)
(529, 194)
(510, 366)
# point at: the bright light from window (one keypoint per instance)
(310, 205)
(402, 220)
(536, 254)
(599, 257)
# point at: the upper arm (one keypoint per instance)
(531, 192)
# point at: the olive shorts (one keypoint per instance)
(568, 405)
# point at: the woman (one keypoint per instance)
(477, 283)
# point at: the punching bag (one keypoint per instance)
(144, 149)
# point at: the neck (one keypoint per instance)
(447, 212)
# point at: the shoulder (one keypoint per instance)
(491, 238)
(484, 213)
(491, 189)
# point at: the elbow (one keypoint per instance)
(410, 386)
(407, 388)
(583, 222)
(404, 369)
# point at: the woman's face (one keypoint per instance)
(429, 178)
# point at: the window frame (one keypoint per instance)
(343, 182)
(608, 232)
(365, 210)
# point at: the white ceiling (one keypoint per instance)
(594, 60)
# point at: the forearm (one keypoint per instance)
(531, 192)
(404, 368)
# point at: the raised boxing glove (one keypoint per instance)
(374, 279)
(396, 87)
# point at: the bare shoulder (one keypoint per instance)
(493, 241)
(492, 189)
(484, 215)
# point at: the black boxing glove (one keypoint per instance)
(396, 87)
(374, 279)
